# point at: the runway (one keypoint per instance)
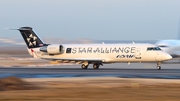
(134, 70)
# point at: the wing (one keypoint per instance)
(75, 60)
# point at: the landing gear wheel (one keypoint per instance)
(158, 67)
(96, 66)
(84, 66)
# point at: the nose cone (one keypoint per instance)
(163, 57)
(168, 57)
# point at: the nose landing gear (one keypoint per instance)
(158, 65)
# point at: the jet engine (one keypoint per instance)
(53, 49)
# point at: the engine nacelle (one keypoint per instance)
(53, 49)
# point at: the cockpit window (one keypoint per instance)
(153, 49)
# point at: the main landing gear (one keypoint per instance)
(158, 65)
(95, 65)
(83, 66)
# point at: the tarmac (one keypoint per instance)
(169, 70)
(24, 66)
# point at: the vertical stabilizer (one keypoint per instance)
(32, 40)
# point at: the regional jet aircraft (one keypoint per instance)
(96, 54)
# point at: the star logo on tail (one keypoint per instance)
(32, 40)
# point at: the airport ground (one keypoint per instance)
(87, 88)
(93, 89)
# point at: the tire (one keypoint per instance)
(158, 67)
(96, 66)
(84, 66)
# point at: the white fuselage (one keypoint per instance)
(108, 53)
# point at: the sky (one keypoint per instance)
(92, 19)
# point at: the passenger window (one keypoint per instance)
(68, 50)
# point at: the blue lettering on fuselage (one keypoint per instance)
(124, 56)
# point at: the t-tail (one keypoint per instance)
(31, 39)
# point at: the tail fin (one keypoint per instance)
(32, 40)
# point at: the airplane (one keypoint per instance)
(96, 54)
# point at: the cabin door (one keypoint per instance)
(138, 53)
